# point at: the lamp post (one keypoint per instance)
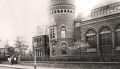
(34, 46)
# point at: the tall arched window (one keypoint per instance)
(117, 35)
(63, 30)
(105, 36)
(91, 38)
(105, 43)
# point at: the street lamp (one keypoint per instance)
(34, 46)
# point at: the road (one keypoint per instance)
(65, 66)
(24, 67)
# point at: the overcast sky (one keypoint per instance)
(21, 17)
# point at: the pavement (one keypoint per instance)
(72, 65)
(18, 66)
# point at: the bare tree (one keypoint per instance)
(10, 49)
(20, 46)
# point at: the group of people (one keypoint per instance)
(13, 59)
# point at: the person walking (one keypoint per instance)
(9, 60)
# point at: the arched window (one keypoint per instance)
(64, 10)
(117, 35)
(64, 49)
(53, 52)
(64, 52)
(61, 10)
(55, 11)
(58, 11)
(68, 10)
(91, 38)
(63, 31)
(105, 36)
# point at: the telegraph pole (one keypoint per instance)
(34, 49)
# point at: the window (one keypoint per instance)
(63, 44)
(55, 11)
(105, 37)
(53, 52)
(63, 31)
(52, 12)
(58, 11)
(61, 11)
(68, 10)
(65, 10)
(117, 35)
(52, 32)
(77, 24)
(91, 38)
(63, 51)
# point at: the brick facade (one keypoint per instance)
(97, 24)
(42, 47)
(96, 38)
(62, 12)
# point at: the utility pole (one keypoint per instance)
(34, 49)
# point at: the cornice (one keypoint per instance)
(100, 19)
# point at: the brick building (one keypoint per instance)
(97, 38)
(61, 33)
(102, 32)
(41, 46)
(3, 54)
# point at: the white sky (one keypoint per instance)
(20, 17)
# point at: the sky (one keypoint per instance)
(22, 17)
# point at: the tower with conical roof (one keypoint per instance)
(61, 32)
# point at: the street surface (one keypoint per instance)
(64, 66)
(7, 66)
(27, 68)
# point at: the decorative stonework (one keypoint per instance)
(62, 12)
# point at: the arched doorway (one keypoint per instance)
(63, 48)
(117, 43)
(106, 43)
(91, 39)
